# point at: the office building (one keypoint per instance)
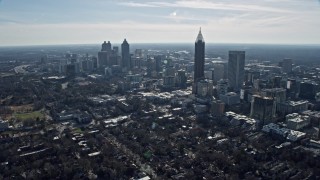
(263, 109)
(95, 62)
(70, 70)
(222, 87)
(204, 88)
(230, 98)
(278, 94)
(217, 108)
(106, 46)
(125, 51)
(289, 107)
(218, 72)
(103, 55)
(308, 90)
(115, 50)
(169, 81)
(236, 69)
(181, 79)
(199, 58)
(208, 74)
(138, 53)
(198, 61)
(158, 62)
(287, 65)
(296, 121)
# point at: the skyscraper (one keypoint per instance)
(236, 69)
(103, 55)
(287, 65)
(106, 46)
(218, 71)
(125, 50)
(199, 58)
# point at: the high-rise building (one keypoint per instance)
(103, 58)
(199, 58)
(158, 62)
(218, 108)
(263, 109)
(278, 94)
(95, 62)
(168, 81)
(222, 87)
(208, 74)
(70, 70)
(106, 46)
(287, 65)
(218, 71)
(292, 88)
(231, 98)
(204, 88)
(236, 69)
(103, 55)
(151, 66)
(125, 51)
(308, 90)
(198, 61)
(182, 79)
(138, 53)
(115, 50)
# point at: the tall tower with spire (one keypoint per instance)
(125, 51)
(199, 58)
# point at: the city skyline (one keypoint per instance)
(88, 22)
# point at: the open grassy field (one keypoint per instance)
(31, 115)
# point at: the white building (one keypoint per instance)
(284, 132)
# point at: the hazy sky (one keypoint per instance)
(24, 22)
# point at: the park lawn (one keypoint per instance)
(32, 115)
(77, 130)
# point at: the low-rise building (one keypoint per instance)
(314, 116)
(3, 125)
(296, 121)
(290, 107)
(241, 120)
(289, 134)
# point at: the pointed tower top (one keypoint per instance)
(200, 37)
(125, 41)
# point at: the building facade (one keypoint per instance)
(125, 52)
(199, 58)
(236, 69)
(263, 109)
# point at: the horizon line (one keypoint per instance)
(227, 43)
